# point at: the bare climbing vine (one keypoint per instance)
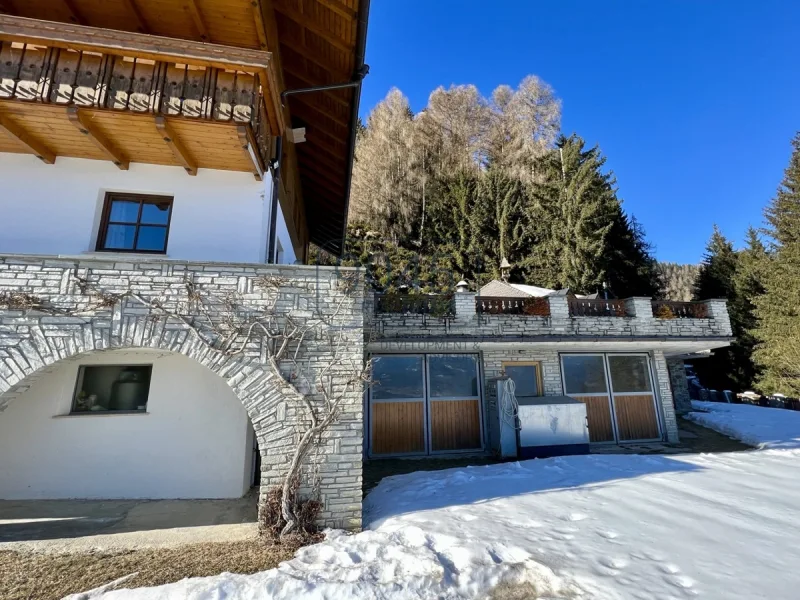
(231, 325)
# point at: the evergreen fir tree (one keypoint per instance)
(715, 280)
(778, 308)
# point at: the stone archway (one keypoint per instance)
(41, 351)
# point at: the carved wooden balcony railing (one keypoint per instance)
(584, 307)
(94, 80)
(512, 306)
(415, 304)
(664, 309)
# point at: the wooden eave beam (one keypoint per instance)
(250, 148)
(306, 53)
(125, 43)
(197, 19)
(136, 15)
(175, 145)
(309, 103)
(258, 17)
(39, 150)
(315, 28)
(340, 9)
(88, 129)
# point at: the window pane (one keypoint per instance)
(525, 380)
(124, 211)
(155, 214)
(112, 388)
(120, 237)
(152, 238)
(629, 374)
(397, 377)
(584, 374)
(454, 376)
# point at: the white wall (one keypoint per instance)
(194, 442)
(55, 209)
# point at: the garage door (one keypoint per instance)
(424, 404)
(618, 392)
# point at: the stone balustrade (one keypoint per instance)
(638, 321)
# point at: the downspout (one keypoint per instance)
(275, 170)
(360, 71)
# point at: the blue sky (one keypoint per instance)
(693, 102)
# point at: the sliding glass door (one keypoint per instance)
(618, 392)
(425, 404)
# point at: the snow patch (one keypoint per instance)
(756, 426)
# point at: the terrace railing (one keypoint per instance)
(665, 309)
(584, 307)
(490, 305)
(415, 304)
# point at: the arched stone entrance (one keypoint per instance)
(107, 317)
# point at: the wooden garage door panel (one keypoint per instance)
(598, 413)
(398, 427)
(455, 425)
(636, 417)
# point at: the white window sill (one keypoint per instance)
(102, 413)
(120, 256)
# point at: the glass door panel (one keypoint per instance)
(397, 405)
(585, 380)
(633, 397)
(454, 403)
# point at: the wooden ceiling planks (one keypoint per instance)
(126, 137)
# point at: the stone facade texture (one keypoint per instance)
(73, 325)
(680, 386)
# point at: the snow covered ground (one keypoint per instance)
(713, 526)
(755, 425)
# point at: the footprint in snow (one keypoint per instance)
(609, 535)
(576, 516)
(614, 562)
(680, 581)
(669, 568)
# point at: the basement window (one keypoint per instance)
(135, 223)
(112, 388)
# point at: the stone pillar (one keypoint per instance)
(718, 311)
(665, 396)
(680, 387)
(560, 320)
(465, 305)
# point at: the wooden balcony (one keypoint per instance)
(145, 99)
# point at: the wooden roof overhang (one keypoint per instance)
(310, 42)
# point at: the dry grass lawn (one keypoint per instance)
(29, 576)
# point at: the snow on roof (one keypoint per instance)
(501, 289)
(532, 290)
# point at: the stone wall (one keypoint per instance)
(80, 315)
(680, 387)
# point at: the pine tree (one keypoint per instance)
(741, 308)
(778, 308)
(715, 279)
